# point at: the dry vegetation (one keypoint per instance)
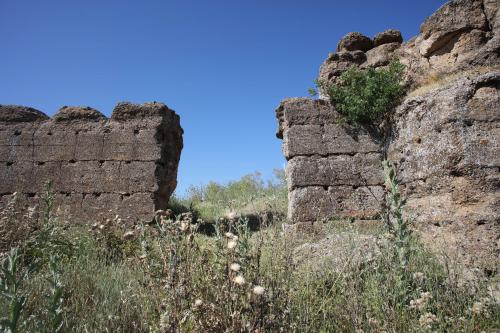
(436, 80)
(166, 276)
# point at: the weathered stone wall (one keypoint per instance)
(443, 138)
(334, 170)
(100, 167)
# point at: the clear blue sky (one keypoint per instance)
(223, 66)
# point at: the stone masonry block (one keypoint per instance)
(357, 170)
(328, 139)
(316, 203)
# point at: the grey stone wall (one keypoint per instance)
(334, 169)
(100, 167)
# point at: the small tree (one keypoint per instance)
(364, 96)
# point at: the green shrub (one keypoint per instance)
(248, 195)
(365, 96)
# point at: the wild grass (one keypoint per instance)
(436, 79)
(167, 277)
(250, 195)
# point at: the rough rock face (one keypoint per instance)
(355, 41)
(444, 136)
(19, 114)
(77, 112)
(100, 167)
(461, 35)
(446, 146)
(388, 36)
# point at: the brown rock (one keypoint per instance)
(67, 113)
(17, 113)
(388, 36)
(451, 19)
(355, 41)
(304, 111)
(127, 110)
(381, 55)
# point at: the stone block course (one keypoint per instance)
(315, 203)
(100, 167)
(334, 169)
(357, 170)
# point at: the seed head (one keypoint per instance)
(427, 319)
(235, 267)
(239, 280)
(258, 290)
(128, 235)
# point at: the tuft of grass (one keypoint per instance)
(436, 80)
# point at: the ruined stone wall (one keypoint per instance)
(334, 170)
(100, 167)
(443, 138)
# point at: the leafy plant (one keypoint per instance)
(55, 308)
(398, 226)
(49, 239)
(10, 282)
(365, 96)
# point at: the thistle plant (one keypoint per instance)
(398, 226)
(55, 308)
(10, 282)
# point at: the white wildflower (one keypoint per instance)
(231, 244)
(477, 308)
(258, 290)
(235, 267)
(184, 226)
(427, 319)
(418, 277)
(128, 235)
(198, 303)
(239, 280)
(421, 303)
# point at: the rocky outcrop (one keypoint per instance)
(446, 146)
(387, 37)
(461, 35)
(100, 167)
(444, 136)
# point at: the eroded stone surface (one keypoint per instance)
(99, 167)
(355, 41)
(388, 36)
(17, 113)
(461, 35)
(78, 112)
(334, 169)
